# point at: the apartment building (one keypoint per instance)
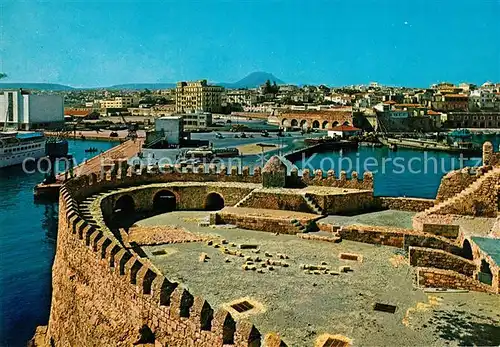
(198, 96)
(119, 102)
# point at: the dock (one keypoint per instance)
(123, 151)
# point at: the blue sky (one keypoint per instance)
(91, 43)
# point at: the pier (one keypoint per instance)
(123, 151)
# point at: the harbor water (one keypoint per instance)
(28, 230)
(27, 245)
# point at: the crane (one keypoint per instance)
(132, 128)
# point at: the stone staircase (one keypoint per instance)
(313, 205)
(450, 204)
(242, 201)
(466, 202)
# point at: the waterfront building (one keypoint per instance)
(344, 131)
(24, 111)
(198, 96)
(473, 120)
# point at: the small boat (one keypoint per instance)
(461, 134)
(91, 150)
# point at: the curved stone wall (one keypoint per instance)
(104, 295)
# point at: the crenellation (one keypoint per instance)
(247, 335)
(102, 246)
(245, 171)
(132, 267)
(94, 238)
(121, 258)
(145, 278)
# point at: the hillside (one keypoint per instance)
(253, 80)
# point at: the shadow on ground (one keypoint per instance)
(467, 329)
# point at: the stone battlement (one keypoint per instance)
(95, 275)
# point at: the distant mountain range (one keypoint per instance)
(253, 80)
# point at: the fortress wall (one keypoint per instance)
(439, 278)
(345, 203)
(405, 204)
(435, 258)
(454, 182)
(187, 197)
(331, 180)
(481, 201)
(105, 296)
(273, 201)
(125, 176)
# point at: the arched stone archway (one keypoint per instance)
(485, 275)
(335, 124)
(315, 124)
(304, 124)
(125, 205)
(467, 250)
(346, 123)
(285, 123)
(324, 125)
(214, 202)
(294, 123)
(164, 201)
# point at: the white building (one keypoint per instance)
(24, 111)
(172, 127)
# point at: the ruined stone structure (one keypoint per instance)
(105, 293)
(315, 119)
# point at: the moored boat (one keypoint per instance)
(15, 147)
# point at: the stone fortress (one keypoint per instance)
(277, 261)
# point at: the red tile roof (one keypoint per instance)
(76, 112)
(345, 128)
(433, 112)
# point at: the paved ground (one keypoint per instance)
(389, 218)
(303, 306)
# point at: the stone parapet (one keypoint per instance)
(436, 258)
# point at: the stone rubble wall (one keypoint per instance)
(436, 258)
(272, 201)
(268, 224)
(405, 204)
(439, 278)
(103, 295)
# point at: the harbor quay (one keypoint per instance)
(210, 256)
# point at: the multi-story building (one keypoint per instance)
(243, 97)
(484, 99)
(120, 102)
(24, 111)
(197, 120)
(450, 102)
(473, 120)
(198, 96)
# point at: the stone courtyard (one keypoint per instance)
(302, 304)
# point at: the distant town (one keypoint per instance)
(371, 107)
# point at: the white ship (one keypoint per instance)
(15, 147)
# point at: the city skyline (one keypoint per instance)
(333, 43)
